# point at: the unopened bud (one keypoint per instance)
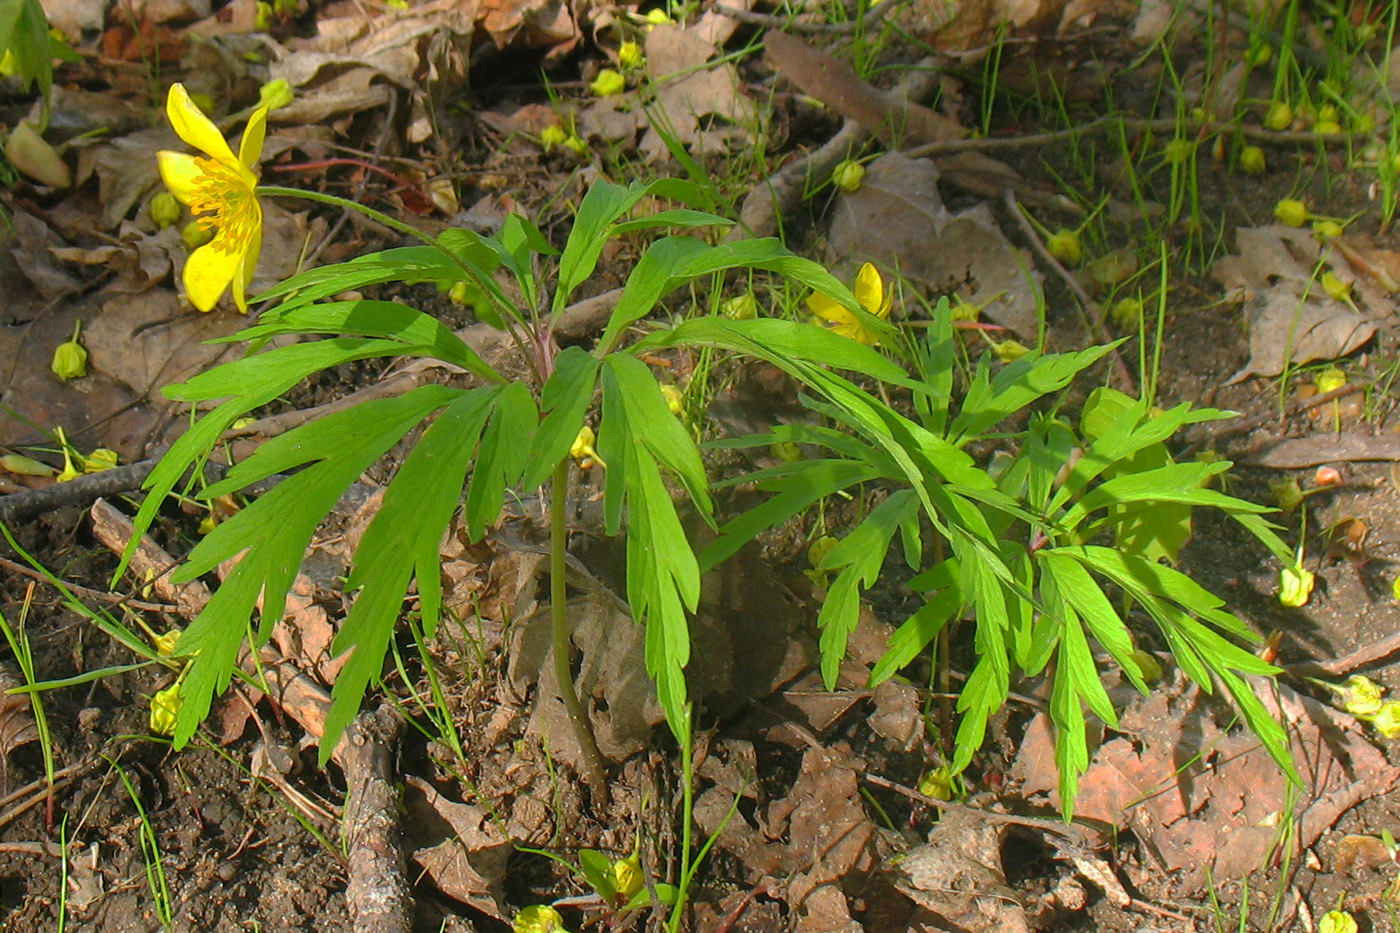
(1064, 245)
(70, 358)
(275, 94)
(848, 175)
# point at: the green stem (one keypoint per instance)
(559, 615)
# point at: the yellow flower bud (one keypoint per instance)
(1064, 245)
(608, 83)
(1387, 721)
(1149, 665)
(1327, 127)
(459, 292)
(1329, 380)
(70, 358)
(100, 459)
(262, 16)
(1361, 696)
(627, 877)
(818, 549)
(1327, 228)
(1291, 211)
(196, 234)
(582, 449)
(1279, 117)
(1335, 287)
(848, 175)
(964, 310)
(552, 136)
(1252, 160)
(1295, 586)
(629, 56)
(1178, 151)
(739, 308)
(657, 17)
(786, 451)
(165, 709)
(1337, 921)
(165, 210)
(1288, 495)
(576, 144)
(28, 466)
(1327, 113)
(275, 94)
(1009, 351)
(1126, 312)
(675, 398)
(940, 784)
(538, 918)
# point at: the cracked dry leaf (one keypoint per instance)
(897, 221)
(17, 725)
(1292, 319)
(1202, 797)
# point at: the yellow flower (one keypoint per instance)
(627, 877)
(1387, 720)
(165, 709)
(219, 189)
(608, 83)
(870, 292)
(582, 449)
(538, 918)
(630, 56)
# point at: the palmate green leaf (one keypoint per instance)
(1128, 432)
(630, 384)
(602, 206)
(565, 399)
(684, 217)
(276, 530)
(650, 278)
(921, 628)
(1262, 723)
(505, 450)
(1017, 385)
(251, 382)
(807, 483)
(364, 318)
(782, 343)
(402, 543)
(1083, 595)
(861, 553)
(1174, 483)
(936, 359)
(406, 264)
(1076, 681)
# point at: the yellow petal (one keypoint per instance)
(244, 276)
(180, 172)
(195, 128)
(250, 149)
(208, 272)
(870, 290)
(827, 308)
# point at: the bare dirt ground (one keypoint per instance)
(811, 796)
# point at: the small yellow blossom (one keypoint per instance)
(1065, 246)
(1291, 211)
(1387, 721)
(675, 398)
(103, 458)
(629, 56)
(1337, 921)
(538, 918)
(870, 292)
(1252, 160)
(1336, 287)
(942, 783)
(552, 136)
(219, 189)
(1295, 586)
(165, 709)
(1280, 116)
(1009, 351)
(70, 358)
(657, 17)
(627, 877)
(275, 94)
(848, 175)
(582, 449)
(739, 308)
(576, 144)
(1329, 380)
(1361, 696)
(609, 82)
(70, 470)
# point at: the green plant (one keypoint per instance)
(1044, 553)
(498, 435)
(150, 851)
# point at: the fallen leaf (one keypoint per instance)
(897, 220)
(458, 846)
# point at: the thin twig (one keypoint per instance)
(87, 592)
(1090, 307)
(1295, 407)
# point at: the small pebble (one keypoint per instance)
(227, 871)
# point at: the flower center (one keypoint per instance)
(221, 199)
